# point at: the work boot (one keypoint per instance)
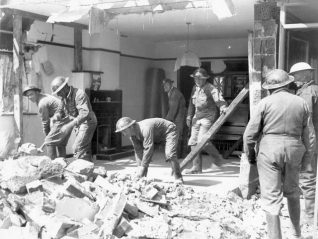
(197, 166)
(176, 170)
(273, 226)
(51, 151)
(294, 215)
(61, 150)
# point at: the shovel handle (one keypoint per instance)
(41, 147)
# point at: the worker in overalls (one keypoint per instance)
(308, 90)
(75, 103)
(48, 105)
(283, 127)
(177, 110)
(205, 106)
(143, 136)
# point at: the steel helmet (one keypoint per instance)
(300, 66)
(58, 83)
(30, 87)
(124, 123)
(277, 78)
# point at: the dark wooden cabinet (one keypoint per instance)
(107, 105)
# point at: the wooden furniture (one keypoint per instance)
(107, 105)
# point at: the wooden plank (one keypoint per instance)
(281, 47)
(17, 71)
(215, 127)
(78, 61)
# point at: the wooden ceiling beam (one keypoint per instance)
(42, 18)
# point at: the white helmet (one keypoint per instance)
(300, 66)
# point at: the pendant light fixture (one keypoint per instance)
(188, 58)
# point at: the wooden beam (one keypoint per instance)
(17, 72)
(214, 128)
(78, 61)
(40, 17)
(300, 26)
(282, 40)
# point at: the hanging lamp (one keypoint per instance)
(188, 58)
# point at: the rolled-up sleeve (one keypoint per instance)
(218, 98)
(252, 133)
(82, 102)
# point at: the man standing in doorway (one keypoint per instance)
(308, 90)
(48, 106)
(144, 134)
(282, 125)
(177, 110)
(75, 103)
(205, 106)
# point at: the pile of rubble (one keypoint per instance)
(46, 199)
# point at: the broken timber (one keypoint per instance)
(215, 127)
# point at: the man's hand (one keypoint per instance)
(223, 109)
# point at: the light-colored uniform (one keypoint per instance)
(204, 110)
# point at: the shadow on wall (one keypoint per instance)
(156, 100)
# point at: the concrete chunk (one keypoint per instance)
(81, 166)
(34, 186)
(122, 228)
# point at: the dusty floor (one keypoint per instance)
(213, 181)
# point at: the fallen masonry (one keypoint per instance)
(40, 198)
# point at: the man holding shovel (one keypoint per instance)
(55, 142)
(76, 105)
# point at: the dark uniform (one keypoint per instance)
(77, 106)
(176, 113)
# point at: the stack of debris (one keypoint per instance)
(40, 198)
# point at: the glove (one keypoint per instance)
(189, 122)
(252, 158)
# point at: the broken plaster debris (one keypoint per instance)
(41, 205)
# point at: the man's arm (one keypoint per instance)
(191, 109)
(148, 146)
(45, 118)
(138, 148)
(309, 140)
(174, 102)
(218, 98)
(82, 103)
(252, 133)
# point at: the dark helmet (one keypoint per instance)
(58, 83)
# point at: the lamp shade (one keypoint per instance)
(187, 59)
